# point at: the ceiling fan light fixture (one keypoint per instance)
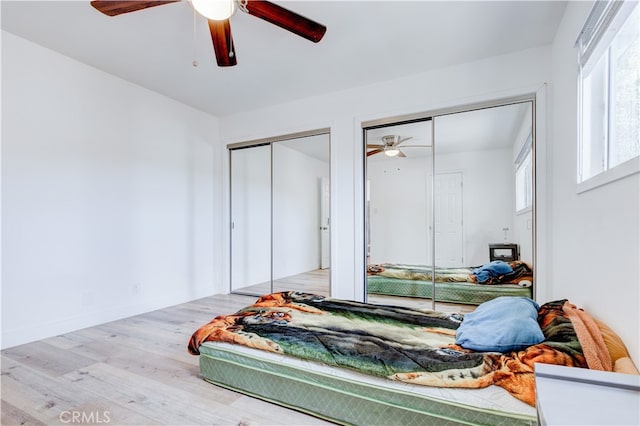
(391, 151)
(216, 10)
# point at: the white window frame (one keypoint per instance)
(593, 44)
(524, 187)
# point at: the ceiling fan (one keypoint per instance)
(218, 13)
(389, 146)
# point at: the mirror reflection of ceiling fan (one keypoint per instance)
(391, 146)
(218, 13)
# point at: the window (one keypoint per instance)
(524, 178)
(609, 47)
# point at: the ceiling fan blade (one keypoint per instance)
(403, 140)
(374, 146)
(286, 19)
(400, 154)
(114, 8)
(375, 151)
(223, 43)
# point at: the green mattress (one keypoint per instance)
(453, 292)
(346, 397)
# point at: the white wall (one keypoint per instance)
(515, 74)
(594, 238)
(108, 197)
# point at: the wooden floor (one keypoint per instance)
(134, 371)
(318, 282)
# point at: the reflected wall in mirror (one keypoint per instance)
(280, 221)
(466, 207)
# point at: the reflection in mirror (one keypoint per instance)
(301, 222)
(280, 216)
(251, 219)
(397, 194)
(473, 201)
(398, 210)
(476, 157)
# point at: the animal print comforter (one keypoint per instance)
(398, 343)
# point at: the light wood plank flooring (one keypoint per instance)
(318, 282)
(136, 371)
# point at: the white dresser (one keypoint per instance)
(579, 396)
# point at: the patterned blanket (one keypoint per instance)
(395, 342)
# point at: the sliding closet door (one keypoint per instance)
(251, 220)
(280, 215)
(448, 205)
(399, 200)
(483, 184)
(300, 224)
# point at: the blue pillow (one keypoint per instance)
(491, 270)
(502, 324)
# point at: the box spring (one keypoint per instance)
(347, 397)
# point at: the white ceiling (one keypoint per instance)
(366, 42)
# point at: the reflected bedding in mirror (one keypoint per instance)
(467, 285)
(496, 272)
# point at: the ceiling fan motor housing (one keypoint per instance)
(390, 140)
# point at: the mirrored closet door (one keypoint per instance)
(398, 208)
(280, 222)
(251, 218)
(447, 194)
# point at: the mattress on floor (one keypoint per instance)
(454, 292)
(348, 397)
